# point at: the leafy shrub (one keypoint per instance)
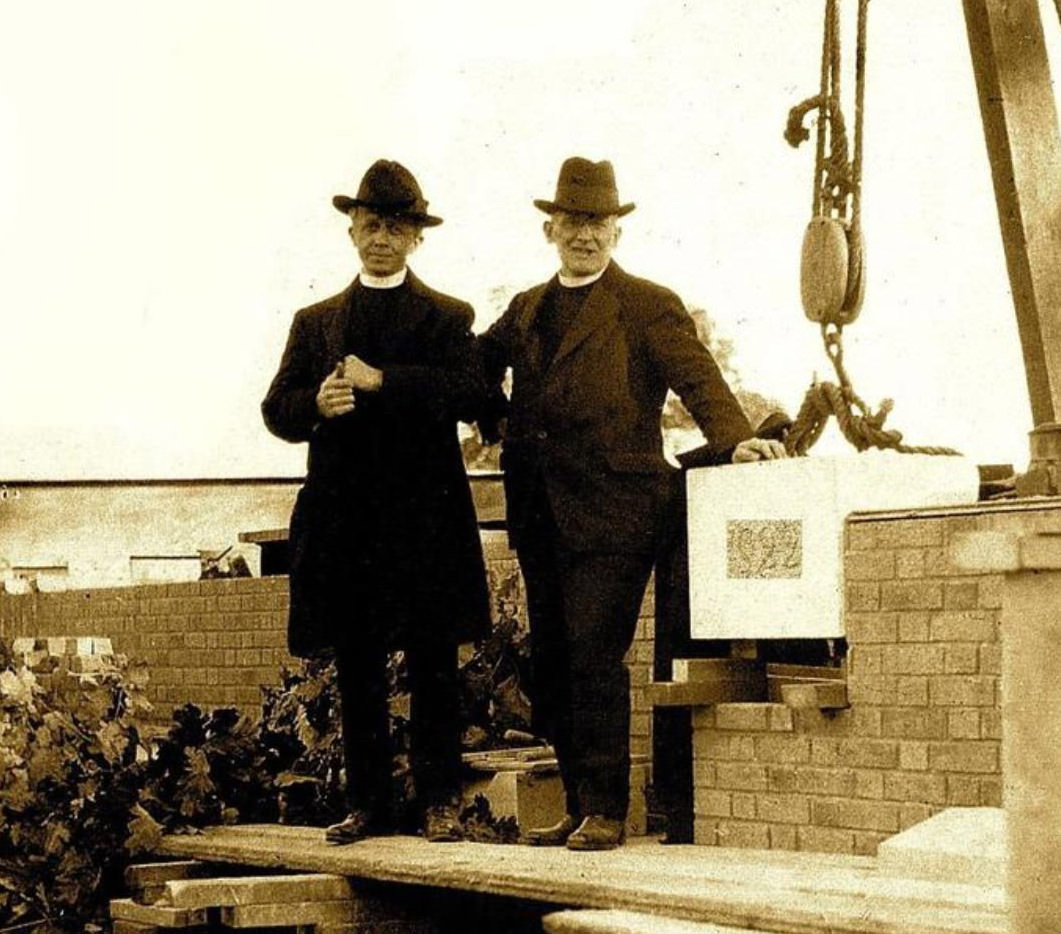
(71, 762)
(82, 789)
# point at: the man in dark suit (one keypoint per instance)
(385, 549)
(593, 352)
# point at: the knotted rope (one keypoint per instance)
(862, 427)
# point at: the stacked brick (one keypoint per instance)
(924, 727)
(214, 642)
(210, 642)
(63, 662)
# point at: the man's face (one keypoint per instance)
(584, 241)
(383, 243)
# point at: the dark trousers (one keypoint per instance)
(434, 722)
(583, 609)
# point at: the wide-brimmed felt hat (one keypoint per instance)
(585, 187)
(389, 188)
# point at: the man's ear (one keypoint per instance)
(618, 234)
(547, 229)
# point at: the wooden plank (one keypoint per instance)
(1021, 131)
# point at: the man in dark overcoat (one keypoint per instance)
(593, 352)
(384, 543)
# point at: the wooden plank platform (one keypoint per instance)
(771, 890)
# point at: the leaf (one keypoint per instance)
(196, 787)
(18, 688)
(145, 833)
(57, 838)
(113, 740)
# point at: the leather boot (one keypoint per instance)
(597, 833)
(554, 835)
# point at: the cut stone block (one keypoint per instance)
(825, 695)
(535, 798)
(288, 914)
(147, 881)
(154, 873)
(703, 681)
(966, 845)
(125, 909)
(715, 669)
(607, 921)
(255, 890)
(766, 538)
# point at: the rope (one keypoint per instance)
(861, 427)
(838, 194)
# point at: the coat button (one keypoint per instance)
(542, 435)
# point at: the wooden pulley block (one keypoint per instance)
(831, 281)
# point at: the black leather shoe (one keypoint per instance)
(357, 825)
(597, 833)
(554, 835)
(441, 824)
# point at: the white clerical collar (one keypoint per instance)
(383, 282)
(575, 282)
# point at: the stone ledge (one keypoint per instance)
(966, 845)
(594, 921)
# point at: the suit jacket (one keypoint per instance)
(383, 537)
(587, 424)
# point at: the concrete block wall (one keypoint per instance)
(924, 727)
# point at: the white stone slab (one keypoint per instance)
(766, 539)
(966, 845)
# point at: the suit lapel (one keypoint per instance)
(335, 327)
(599, 309)
(526, 321)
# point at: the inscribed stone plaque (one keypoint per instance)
(766, 539)
(764, 548)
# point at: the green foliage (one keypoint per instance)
(481, 826)
(209, 768)
(300, 732)
(494, 701)
(82, 790)
(70, 770)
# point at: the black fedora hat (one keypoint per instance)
(585, 187)
(389, 188)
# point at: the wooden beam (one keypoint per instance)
(1021, 131)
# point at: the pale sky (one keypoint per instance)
(166, 171)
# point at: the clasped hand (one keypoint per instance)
(336, 394)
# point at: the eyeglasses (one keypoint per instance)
(595, 223)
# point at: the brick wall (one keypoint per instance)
(212, 642)
(215, 642)
(924, 726)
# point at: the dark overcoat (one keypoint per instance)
(383, 537)
(587, 423)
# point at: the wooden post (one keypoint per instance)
(1024, 148)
